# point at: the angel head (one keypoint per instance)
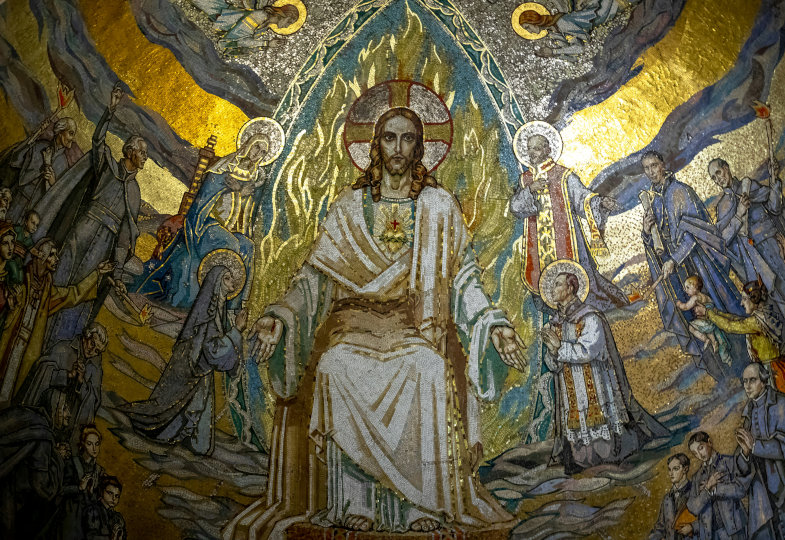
(282, 16)
(536, 22)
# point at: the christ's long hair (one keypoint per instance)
(539, 20)
(372, 176)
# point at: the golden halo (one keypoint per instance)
(516, 17)
(296, 25)
(228, 258)
(548, 276)
(268, 127)
(521, 140)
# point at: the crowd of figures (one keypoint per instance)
(67, 229)
(735, 496)
(691, 258)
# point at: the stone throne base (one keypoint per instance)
(307, 531)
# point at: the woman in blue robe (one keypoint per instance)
(221, 217)
(181, 408)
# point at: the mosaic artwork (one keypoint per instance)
(379, 269)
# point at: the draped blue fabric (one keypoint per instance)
(173, 279)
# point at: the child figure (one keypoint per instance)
(674, 521)
(702, 328)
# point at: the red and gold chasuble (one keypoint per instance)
(550, 234)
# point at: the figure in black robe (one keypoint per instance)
(82, 479)
(31, 167)
(70, 371)
(181, 406)
(100, 520)
(91, 214)
(31, 470)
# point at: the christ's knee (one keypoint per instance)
(429, 365)
(333, 362)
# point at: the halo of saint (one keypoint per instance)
(268, 131)
(536, 127)
(231, 260)
(518, 27)
(562, 266)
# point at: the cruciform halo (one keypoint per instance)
(520, 30)
(268, 127)
(373, 103)
(228, 258)
(536, 127)
(548, 276)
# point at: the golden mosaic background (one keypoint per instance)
(699, 50)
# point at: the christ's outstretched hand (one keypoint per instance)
(267, 331)
(510, 347)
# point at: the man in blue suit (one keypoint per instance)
(762, 442)
(716, 494)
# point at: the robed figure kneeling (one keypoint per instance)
(181, 406)
(598, 420)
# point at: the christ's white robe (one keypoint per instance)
(393, 413)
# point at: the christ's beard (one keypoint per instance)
(397, 166)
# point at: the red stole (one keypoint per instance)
(563, 230)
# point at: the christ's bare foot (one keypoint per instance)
(425, 524)
(357, 523)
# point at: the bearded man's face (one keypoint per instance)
(398, 143)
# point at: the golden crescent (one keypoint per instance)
(520, 30)
(296, 25)
(561, 265)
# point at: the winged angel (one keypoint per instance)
(249, 25)
(568, 28)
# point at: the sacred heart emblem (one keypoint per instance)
(397, 227)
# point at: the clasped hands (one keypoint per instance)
(551, 339)
(245, 188)
(746, 441)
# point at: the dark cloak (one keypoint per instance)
(11, 165)
(31, 471)
(181, 406)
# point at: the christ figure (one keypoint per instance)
(379, 354)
